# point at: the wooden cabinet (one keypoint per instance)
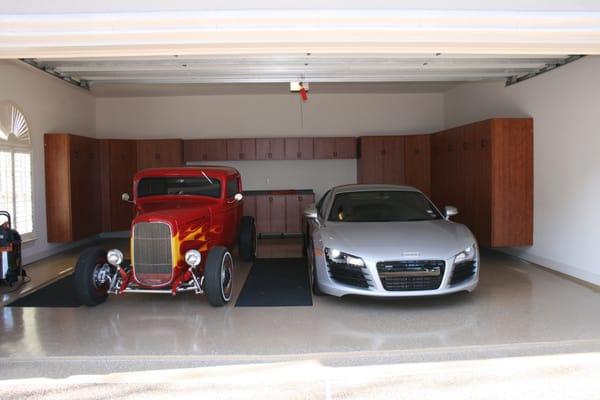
(381, 160)
(299, 148)
(72, 170)
(204, 150)
(417, 162)
(485, 169)
(159, 153)
(270, 149)
(120, 158)
(335, 148)
(241, 149)
(277, 212)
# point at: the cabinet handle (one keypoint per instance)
(335, 154)
(270, 155)
(270, 199)
(298, 155)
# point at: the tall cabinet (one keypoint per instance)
(485, 169)
(72, 169)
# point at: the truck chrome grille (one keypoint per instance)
(411, 275)
(152, 256)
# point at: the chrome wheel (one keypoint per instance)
(100, 275)
(226, 276)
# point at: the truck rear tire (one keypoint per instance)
(247, 240)
(218, 276)
(88, 291)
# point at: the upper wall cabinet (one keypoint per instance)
(417, 162)
(159, 153)
(72, 169)
(485, 169)
(270, 149)
(335, 147)
(241, 149)
(299, 148)
(205, 150)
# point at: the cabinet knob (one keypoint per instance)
(298, 155)
(335, 154)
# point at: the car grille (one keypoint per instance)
(462, 272)
(152, 257)
(411, 275)
(347, 274)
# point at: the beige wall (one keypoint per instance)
(273, 115)
(565, 106)
(49, 106)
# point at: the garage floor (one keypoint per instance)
(518, 309)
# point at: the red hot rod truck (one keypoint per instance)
(186, 221)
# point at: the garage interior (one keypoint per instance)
(491, 111)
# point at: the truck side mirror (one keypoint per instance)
(238, 197)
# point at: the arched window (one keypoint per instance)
(15, 168)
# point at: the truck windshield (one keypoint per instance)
(199, 186)
(379, 206)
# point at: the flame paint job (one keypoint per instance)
(196, 222)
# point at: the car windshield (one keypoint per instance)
(199, 186)
(379, 206)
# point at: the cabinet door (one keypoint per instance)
(270, 149)
(241, 149)
(345, 147)
(324, 148)
(263, 149)
(85, 181)
(263, 215)
(277, 213)
(250, 206)
(299, 148)
(159, 153)
(417, 162)
(293, 213)
(205, 150)
(370, 165)
(123, 166)
(393, 160)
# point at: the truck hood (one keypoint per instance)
(391, 241)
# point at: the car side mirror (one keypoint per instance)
(238, 197)
(450, 211)
(126, 197)
(310, 212)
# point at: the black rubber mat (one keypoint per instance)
(276, 282)
(58, 294)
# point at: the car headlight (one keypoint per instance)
(336, 256)
(193, 258)
(114, 257)
(467, 254)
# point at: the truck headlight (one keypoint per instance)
(193, 258)
(467, 254)
(338, 257)
(114, 257)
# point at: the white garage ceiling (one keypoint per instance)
(307, 67)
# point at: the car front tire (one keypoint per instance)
(247, 240)
(218, 276)
(88, 291)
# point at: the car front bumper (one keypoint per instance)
(376, 289)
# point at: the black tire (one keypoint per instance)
(86, 290)
(214, 289)
(247, 239)
(315, 282)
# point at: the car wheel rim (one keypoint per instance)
(226, 276)
(100, 275)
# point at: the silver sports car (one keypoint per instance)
(387, 241)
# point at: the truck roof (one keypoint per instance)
(213, 171)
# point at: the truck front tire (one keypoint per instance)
(88, 263)
(247, 241)
(218, 276)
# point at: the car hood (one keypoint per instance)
(178, 216)
(391, 241)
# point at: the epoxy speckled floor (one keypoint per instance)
(517, 306)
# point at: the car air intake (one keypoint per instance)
(152, 258)
(411, 275)
(462, 272)
(347, 274)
